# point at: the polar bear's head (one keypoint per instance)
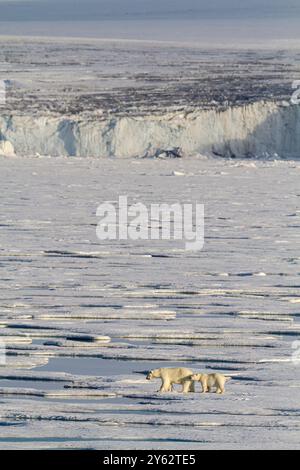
(149, 375)
(153, 374)
(196, 377)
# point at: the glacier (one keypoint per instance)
(261, 129)
(110, 98)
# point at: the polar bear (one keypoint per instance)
(208, 381)
(171, 376)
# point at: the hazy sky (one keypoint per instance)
(198, 21)
(29, 10)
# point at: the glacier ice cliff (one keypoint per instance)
(257, 130)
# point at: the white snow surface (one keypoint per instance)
(85, 320)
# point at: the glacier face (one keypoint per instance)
(257, 130)
(125, 99)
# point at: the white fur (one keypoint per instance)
(171, 376)
(209, 381)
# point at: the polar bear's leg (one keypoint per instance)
(204, 384)
(166, 386)
(220, 382)
(192, 386)
(185, 387)
(161, 387)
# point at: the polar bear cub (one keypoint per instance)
(209, 381)
(171, 376)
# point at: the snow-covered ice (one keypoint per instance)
(85, 320)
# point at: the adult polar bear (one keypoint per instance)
(172, 376)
